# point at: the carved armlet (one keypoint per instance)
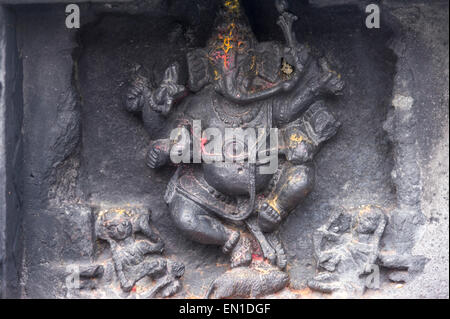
(303, 137)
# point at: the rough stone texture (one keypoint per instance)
(117, 175)
(50, 154)
(420, 98)
(394, 112)
(10, 157)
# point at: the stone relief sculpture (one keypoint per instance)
(237, 82)
(253, 188)
(347, 247)
(135, 258)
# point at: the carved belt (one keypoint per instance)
(190, 183)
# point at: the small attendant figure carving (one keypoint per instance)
(135, 258)
(347, 247)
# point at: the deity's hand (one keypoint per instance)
(286, 22)
(163, 98)
(158, 155)
(294, 60)
(269, 219)
(135, 96)
(330, 80)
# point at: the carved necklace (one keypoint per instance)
(235, 115)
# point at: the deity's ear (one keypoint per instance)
(198, 68)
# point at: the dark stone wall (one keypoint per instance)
(53, 233)
(417, 124)
(11, 240)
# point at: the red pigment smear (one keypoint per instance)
(257, 257)
(224, 58)
(203, 143)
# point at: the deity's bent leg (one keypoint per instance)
(199, 225)
(294, 184)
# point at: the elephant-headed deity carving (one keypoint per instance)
(234, 191)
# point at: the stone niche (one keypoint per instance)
(70, 153)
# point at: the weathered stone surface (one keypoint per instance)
(10, 156)
(420, 96)
(365, 178)
(394, 115)
(51, 133)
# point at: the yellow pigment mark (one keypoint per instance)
(227, 46)
(232, 26)
(118, 211)
(365, 209)
(252, 67)
(227, 40)
(232, 5)
(286, 68)
(299, 138)
(216, 75)
(273, 203)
